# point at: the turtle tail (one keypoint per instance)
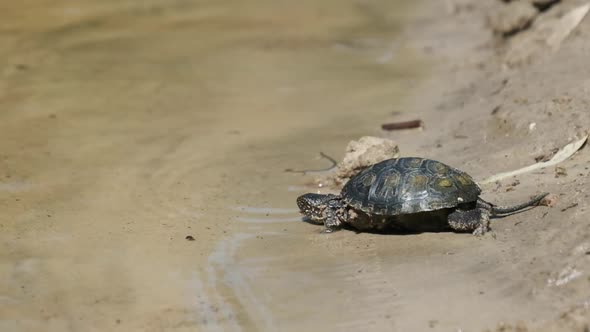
(500, 210)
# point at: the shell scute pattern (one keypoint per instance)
(409, 185)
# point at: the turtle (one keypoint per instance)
(408, 193)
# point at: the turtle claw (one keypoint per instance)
(328, 230)
(480, 231)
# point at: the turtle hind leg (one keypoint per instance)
(476, 220)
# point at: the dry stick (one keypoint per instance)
(323, 155)
(402, 125)
(561, 155)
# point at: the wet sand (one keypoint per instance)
(130, 128)
(127, 126)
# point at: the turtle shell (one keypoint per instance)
(409, 185)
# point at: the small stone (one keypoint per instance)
(549, 200)
(560, 171)
(360, 154)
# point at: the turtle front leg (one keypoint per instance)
(335, 215)
(476, 220)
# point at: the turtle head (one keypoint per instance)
(313, 206)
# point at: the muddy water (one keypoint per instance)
(128, 126)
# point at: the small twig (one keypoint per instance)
(323, 155)
(498, 90)
(332, 160)
(569, 207)
(402, 125)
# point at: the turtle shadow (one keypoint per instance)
(396, 231)
(415, 224)
(390, 230)
(427, 222)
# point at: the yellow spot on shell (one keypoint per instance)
(444, 183)
(391, 180)
(463, 179)
(368, 180)
(440, 168)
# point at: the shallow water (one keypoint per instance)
(128, 126)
